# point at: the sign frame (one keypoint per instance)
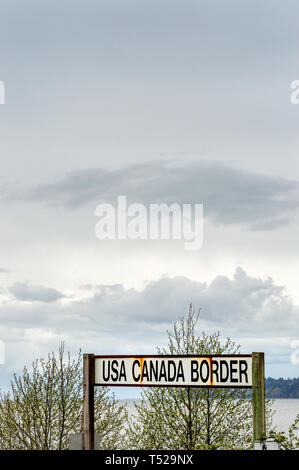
(173, 356)
(258, 390)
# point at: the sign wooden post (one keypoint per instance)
(258, 396)
(88, 401)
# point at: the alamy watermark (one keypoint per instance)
(294, 97)
(153, 222)
(2, 92)
(295, 354)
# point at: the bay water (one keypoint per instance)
(285, 412)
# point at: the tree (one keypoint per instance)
(289, 440)
(44, 406)
(193, 418)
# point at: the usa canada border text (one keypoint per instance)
(167, 356)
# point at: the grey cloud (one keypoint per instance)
(102, 287)
(185, 35)
(229, 195)
(271, 224)
(3, 270)
(31, 293)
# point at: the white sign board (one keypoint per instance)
(174, 371)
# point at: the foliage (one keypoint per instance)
(44, 406)
(289, 440)
(193, 418)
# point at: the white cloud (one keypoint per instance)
(255, 312)
(241, 303)
(230, 196)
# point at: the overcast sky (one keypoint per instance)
(174, 101)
